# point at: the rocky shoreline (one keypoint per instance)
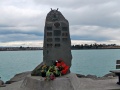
(21, 76)
(107, 76)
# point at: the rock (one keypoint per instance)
(110, 75)
(9, 82)
(66, 82)
(18, 77)
(91, 76)
(2, 84)
(36, 71)
(80, 75)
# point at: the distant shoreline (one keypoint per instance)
(20, 48)
(73, 47)
(40, 48)
(96, 49)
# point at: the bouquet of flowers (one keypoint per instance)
(50, 72)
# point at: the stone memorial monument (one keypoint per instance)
(57, 42)
(57, 45)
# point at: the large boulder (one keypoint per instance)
(36, 71)
(80, 76)
(18, 77)
(66, 82)
(91, 76)
(110, 75)
(2, 83)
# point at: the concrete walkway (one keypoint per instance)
(84, 84)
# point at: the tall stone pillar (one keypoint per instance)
(57, 42)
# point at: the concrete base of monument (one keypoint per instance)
(66, 82)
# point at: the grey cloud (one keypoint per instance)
(94, 15)
(19, 37)
(89, 19)
(5, 25)
(73, 3)
(94, 33)
(87, 12)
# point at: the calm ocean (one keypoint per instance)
(96, 62)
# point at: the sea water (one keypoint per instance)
(95, 62)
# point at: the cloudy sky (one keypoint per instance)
(91, 21)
